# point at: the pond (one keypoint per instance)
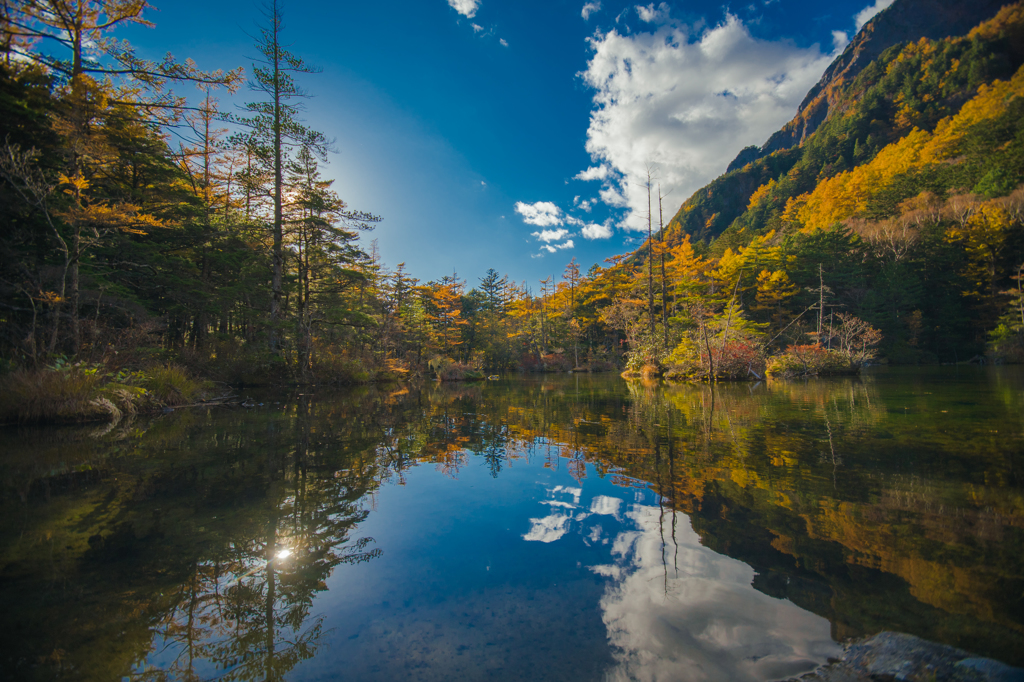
(533, 528)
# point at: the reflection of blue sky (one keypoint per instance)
(532, 576)
(676, 610)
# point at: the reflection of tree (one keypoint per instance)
(195, 510)
(247, 611)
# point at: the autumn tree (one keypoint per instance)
(274, 131)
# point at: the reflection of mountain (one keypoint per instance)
(876, 504)
(892, 506)
(679, 610)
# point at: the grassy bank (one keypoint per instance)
(76, 392)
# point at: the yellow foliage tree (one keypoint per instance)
(846, 195)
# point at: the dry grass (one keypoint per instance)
(28, 395)
(74, 393)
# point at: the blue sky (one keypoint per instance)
(516, 135)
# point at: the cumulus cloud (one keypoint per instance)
(504, 43)
(613, 197)
(554, 248)
(466, 8)
(685, 100)
(652, 14)
(552, 235)
(541, 213)
(839, 41)
(589, 9)
(593, 173)
(477, 28)
(865, 15)
(595, 231)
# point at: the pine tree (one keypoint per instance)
(274, 131)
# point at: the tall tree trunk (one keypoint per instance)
(76, 332)
(650, 258)
(276, 283)
(664, 295)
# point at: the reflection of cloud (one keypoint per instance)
(548, 529)
(608, 570)
(575, 492)
(607, 506)
(624, 543)
(558, 503)
(704, 621)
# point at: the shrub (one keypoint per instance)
(235, 362)
(1006, 345)
(446, 369)
(169, 386)
(599, 365)
(736, 360)
(330, 367)
(546, 362)
(811, 360)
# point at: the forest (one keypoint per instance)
(154, 246)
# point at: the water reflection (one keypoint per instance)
(677, 610)
(523, 529)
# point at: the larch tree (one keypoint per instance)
(100, 77)
(273, 131)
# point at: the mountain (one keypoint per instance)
(855, 109)
(903, 21)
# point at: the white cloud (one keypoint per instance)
(593, 173)
(584, 204)
(595, 231)
(652, 14)
(541, 213)
(686, 100)
(477, 28)
(466, 8)
(552, 235)
(613, 197)
(589, 9)
(504, 43)
(558, 247)
(839, 41)
(865, 15)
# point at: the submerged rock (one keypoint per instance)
(895, 656)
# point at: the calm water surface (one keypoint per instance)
(562, 528)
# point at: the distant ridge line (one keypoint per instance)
(903, 21)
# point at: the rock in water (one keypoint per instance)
(906, 658)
